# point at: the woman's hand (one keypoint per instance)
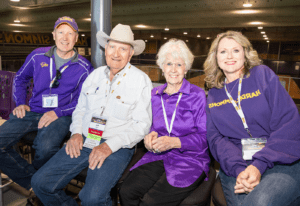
(148, 140)
(165, 143)
(247, 180)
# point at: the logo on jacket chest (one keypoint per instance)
(44, 64)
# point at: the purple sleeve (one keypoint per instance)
(68, 109)
(197, 141)
(223, 150)
(284, 141)
(23, 76)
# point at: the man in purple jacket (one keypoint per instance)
(58, 73)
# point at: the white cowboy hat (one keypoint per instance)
(121, 33)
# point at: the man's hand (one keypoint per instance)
(148, 140)
(165, 143)
(247, 180)
(47, 119)
(98, 155)
(19, 111)
(74, 145)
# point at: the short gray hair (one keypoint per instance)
(181, 51)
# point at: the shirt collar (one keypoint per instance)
(50, 53)
(185, 88)
(120, 73)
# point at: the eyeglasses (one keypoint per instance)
(58, 77)
(170, 64)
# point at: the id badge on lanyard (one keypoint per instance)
(251, 146)
(96, 129)
(50, 100)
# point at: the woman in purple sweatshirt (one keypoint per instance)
(253, 126)
(177, 160)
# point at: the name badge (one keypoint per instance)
(251, 146)
(96, 129)
(50, 100)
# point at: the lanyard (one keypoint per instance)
(238, 108)
(51, 74)
(173, 116)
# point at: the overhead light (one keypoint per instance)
(264, 35)
(165, 37)
(187, 40)
(246, 11)
(247, 4)
(82, 34)
(266, 38)
(255, 22)
(17, 25)
(260, 27)
(87, 19)
(268, 41)
(151, 36)
(15, 0)
(141, 26)
(17, 21)
(16, 31)
(185, 33)
(262, 32)
(146, 40)
(207, 37)
(198, 36)
(167, 29)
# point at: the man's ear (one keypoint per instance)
(53, 33)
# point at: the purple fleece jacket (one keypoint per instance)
(37, 66)
(269, 111)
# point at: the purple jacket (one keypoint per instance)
(37, 66)
(185, 165)
(269, 111)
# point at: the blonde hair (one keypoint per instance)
(181, 51)
(214, 75)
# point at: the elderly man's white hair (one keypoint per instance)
(178, 49)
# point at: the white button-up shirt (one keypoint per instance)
(125, 101)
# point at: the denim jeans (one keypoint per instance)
(46, 144)
(279, 186)
(48, 182)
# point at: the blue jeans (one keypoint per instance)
(49, 181)
(46, 144)
(279, 186)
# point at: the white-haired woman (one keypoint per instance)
(253, 126)
(177, 160)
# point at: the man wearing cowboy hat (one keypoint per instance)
(58, 73)
(112, 115)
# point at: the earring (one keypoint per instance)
(184, 75)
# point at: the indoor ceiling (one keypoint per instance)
(280, 19)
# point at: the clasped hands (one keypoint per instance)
(161, 144)
(97, 156)
(247, 180)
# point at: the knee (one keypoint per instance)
(38, 182)
(94, 196)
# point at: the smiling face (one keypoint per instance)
(117, 55)
(65, 38)
(174, 70)
(230, 58)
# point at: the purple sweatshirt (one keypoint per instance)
(185, 165)
(269, 111)
(37, 66)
